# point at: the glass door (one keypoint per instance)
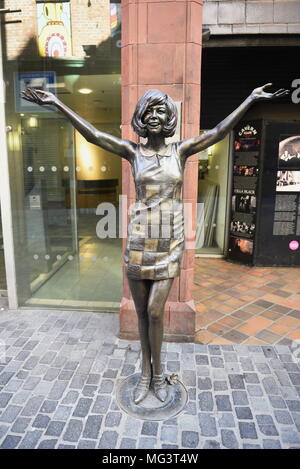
(61, 185)
(213, 199)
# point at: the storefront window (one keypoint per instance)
(58, 178)
(212, 199)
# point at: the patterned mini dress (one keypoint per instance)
(155, 240)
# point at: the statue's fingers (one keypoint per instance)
(267, 85)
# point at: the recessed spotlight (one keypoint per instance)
(85, 91)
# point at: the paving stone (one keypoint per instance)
(30, 439)
(211, 444)
(31, 363)
(101, 404)
(229, 439)
(62, 413)
(127, 370)
(277, 402)
(283, 416)
(82, 408)
(57, 390)
(149, 428)
(93, 378)
(236, 381)
(189, 439)
(113, 419)
(92, 426)
(14, 385)
(106, 386)
(169, 434)
(5, 377)
(108, 440)
(223, 403)
(289, 435)
(65, 375)
(251, 378)
(5, 397)
(214, 350)
(240, 398)
(270, 386)
(48, 444)
(268, 430)
(85, 444)
(191, 408)
(226, 420)
(220, 386)
(10, 413)
(192, 394)
(41, 421)
(206, 402)
(73, 430)
(263, 368)
(269, 352)
(291, 367)
(243, 413)
(173, 366)
(230, 357)
(250, 446)
(207, 424)
(20, 425)
(31, 383)
(204, 383)
(283, 377)
(48, 357)
(218, 373)
(22, 374)
(202, 359)
(128, 443)
(255, 390)
(48, 407)
(32, 406)
(247, 364)
(78, 381)
(295, 378)
(289, 392)
(203, 371)
(189, 378)
(259, 404)
(10, 442)
(55, 428)
(296, 418)
(247, 430)
(217, 362)
(271, 444)
(293, 405)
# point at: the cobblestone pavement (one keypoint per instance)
(60, 370)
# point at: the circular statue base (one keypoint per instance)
(151, 408)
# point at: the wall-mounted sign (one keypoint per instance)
(246, 166)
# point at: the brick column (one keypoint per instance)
(161, 48)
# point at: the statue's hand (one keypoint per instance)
(259, 93)
(38, 96)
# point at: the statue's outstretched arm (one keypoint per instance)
(116, 145)
(191, 146)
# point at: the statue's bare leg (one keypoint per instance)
(140, 293)
(157, 298)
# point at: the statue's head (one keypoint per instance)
(153, 98)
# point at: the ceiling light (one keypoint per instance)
(85, 91)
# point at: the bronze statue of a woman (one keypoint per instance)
(155, 240)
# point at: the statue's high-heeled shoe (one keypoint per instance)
(142, 388)
(160, 387)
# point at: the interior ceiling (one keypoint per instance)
(105, 96)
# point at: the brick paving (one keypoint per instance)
(60, 369)
(238, 304)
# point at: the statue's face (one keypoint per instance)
(155, 118)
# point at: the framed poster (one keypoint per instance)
(54, 29)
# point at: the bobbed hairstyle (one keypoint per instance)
(153, 98)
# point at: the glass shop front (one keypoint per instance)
(58, 180)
